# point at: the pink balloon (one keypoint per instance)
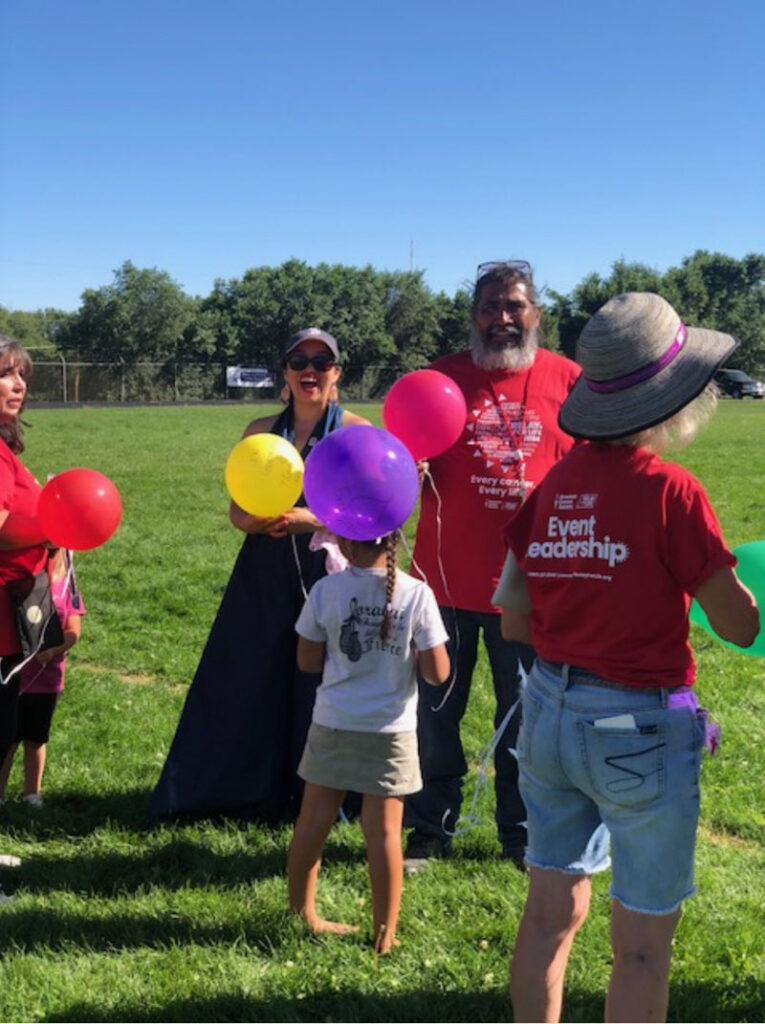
(79, 509)
(426, 410)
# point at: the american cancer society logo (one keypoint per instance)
(570, 502)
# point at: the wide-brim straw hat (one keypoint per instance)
(640, 365)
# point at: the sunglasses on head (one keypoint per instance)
(522, 266)
(300, 361)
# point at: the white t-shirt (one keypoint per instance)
(369, 684)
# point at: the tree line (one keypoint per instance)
(389, 320)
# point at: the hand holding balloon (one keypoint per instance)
(79, 509)
(273, 526)
(300, 520)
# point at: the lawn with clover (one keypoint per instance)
(113, 920)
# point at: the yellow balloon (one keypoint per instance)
(264, 475)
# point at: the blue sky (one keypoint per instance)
(204, 138)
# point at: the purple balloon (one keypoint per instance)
(361, 482)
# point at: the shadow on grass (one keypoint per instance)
(178, 864)
(701, 1002)
(344, 1006)
(696, 1002)
(749, 831)
(31, 930)
(78, 814)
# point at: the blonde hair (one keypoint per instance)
(679, 430)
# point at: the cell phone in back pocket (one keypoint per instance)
(616, 722)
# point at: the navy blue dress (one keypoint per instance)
(243, 727)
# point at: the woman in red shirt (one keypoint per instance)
(603, 560)
(23, 550)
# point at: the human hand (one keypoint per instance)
(274, 526)
(300, 519)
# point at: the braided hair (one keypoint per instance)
(391, 546)
(389, 542)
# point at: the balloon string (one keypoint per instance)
(36, 651)
(71, 579)
(298, 566)
(69, 582)
(4, 681)
(472, 818)
(23, 689)
(453, 675)
(22, 664)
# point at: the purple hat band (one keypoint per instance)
(645, 372)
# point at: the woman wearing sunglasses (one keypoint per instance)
(244, 724)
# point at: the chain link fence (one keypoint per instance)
(77, 383)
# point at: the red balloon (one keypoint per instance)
(79, 509)
(426, 410)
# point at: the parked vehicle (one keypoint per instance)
(738, 384)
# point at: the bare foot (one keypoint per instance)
(385, 942)
(322, 927)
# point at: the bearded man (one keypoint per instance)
(513, 390)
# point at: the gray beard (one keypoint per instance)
(520, 358)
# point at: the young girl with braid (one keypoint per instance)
(367, 629)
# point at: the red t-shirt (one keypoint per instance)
(19, 493)
(612, 545)
(479, 478)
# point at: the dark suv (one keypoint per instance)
(738, 384)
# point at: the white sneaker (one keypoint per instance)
(7, 860)
(34, 799)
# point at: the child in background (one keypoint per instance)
(42, 680)
(367, 628)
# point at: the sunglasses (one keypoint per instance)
(300, 361)
(522, 266)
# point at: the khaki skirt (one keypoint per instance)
(377, 763)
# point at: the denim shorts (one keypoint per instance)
(634, 781)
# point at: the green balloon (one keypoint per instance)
(751, 571)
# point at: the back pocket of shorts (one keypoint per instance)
(626, 768)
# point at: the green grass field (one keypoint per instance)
(112, 920)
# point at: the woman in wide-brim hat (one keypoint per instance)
(243, 727)
(603, 560)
